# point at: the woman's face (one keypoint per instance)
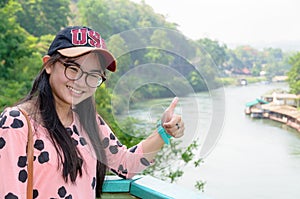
(68, 92)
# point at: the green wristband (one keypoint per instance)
(162, 132)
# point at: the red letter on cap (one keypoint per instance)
(79, 36)
(94, 39)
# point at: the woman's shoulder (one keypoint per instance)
(104, 127)
(12, 118)
(100, 120)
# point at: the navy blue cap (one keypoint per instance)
(74, 41)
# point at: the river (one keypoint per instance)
(251, 158)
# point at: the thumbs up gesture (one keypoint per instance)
(171, 122)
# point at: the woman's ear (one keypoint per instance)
(46, 58)
(47, 67)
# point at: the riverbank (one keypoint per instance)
(254, 158)
(234, 81)
(285, 114)
(280, 107)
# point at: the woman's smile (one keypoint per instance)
(73, 90)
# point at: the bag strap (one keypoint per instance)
(29, 157)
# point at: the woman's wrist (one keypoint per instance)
(162, 132)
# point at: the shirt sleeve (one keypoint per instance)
(122, 161)
(13, 160)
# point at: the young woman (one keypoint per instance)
(73, 146)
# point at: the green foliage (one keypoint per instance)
(197, 82)
(214, 49)
(175, 175)
(131, 131)
(165, 170)
(294, 74)
(110, 17)
(118, 47)
(95, 14)
(12, 38)
(200, 185)
(12, 92)
(188, 155)
(271, 61)
(126, 128)
(18, 55)
(160, 42)
(41, 17)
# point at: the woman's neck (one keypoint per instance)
(65, 114)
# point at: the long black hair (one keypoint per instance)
(69, 156)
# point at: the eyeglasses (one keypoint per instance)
(74, 72)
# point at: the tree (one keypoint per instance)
(14, 40)
(41, 17)
(118, 47)
(233, 61)
(275, 62)
(214, 49)
(294, 74)
(95, 13)
(20, 55)
(159, 44)
(247, 55)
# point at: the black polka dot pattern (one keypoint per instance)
(145, 162)
(23, 175)
(62, 192)
(2, 121)
(14, 113)
(75, 130)
(2, 142)
(39, 145)
(94, 183)
(112, 136)
(35, 193)
(17, 124)
(105, 142)
(101, 121)
(113, 149)
(69, 130)
(119, 143)
(22, 161)
(43, 157)
(82, 141)
(122, 169)
(10, 196)
(133, 149)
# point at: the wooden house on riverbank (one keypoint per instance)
(284, 108)
(286, 114)
(283, 99)
(254, 108)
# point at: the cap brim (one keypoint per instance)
(111, 64)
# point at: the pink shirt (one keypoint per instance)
(47, 178)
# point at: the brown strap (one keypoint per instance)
(29, 157)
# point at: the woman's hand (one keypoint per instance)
(171, 122)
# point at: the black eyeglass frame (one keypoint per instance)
(67, 65)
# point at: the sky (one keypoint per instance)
(235, 22)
